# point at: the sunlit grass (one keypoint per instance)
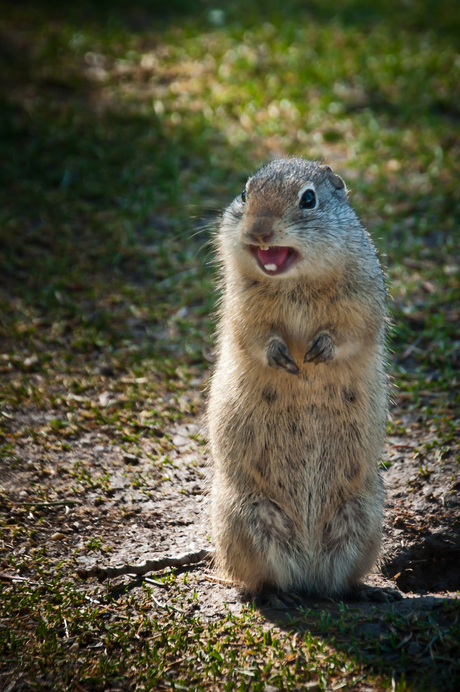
(125, 130)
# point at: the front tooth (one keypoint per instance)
(271, 267)
(264, 247)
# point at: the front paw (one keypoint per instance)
(280, 357)
(320, 349)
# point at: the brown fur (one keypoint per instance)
(296, 494)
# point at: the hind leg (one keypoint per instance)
(252, 542)
(349, 547)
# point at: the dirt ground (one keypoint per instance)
(129, 521)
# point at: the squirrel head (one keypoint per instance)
(292, 219)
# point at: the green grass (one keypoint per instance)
(62, 634)
(125, 128)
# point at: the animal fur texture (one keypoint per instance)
(298, 400)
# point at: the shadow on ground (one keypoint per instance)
(367, 633)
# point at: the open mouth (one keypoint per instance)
(274, 260)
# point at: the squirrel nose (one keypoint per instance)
(260, 230)
(261, 239)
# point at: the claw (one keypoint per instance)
(376, 594)
(279, 356)
(281, 601)
(320, 349)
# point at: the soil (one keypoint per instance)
(421, 545)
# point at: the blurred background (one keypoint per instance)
(127, 126)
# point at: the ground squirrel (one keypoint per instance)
(298, 399)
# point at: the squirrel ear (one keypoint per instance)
(335, 179)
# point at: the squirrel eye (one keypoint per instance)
(307, 200)
(243, 196)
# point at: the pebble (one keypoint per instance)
(180, 441)
(130, 458)
(30, 362)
